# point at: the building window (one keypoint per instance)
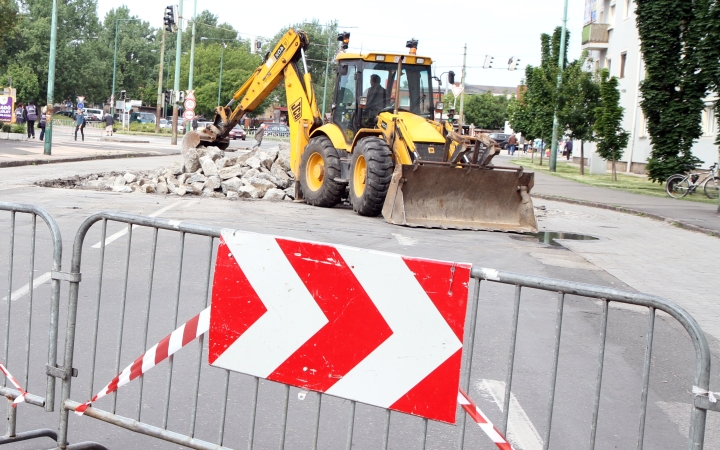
(628, 4)
(708, 121)
(608, 62)
(611, 16)
(643, 125)
(623, 63)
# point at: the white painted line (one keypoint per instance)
(521, 432)
(404, 240)
(26, 289)
(124, 231)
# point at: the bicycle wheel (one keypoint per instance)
(712, 187)
(677, 186)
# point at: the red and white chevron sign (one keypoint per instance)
(374, 327)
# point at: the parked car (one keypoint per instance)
(276, 129)
(70, 114)
(142, 117)
(501, 139)
(93, 115)
(167, 123)
(238, 132)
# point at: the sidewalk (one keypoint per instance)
(695, 216)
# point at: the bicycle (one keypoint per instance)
(680, 185)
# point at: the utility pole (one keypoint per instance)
(561, 63)
(176, 89)
(160, 79)
(192, 48)
(112, 95)
(222, 56)
(327, 65)
(51, 81)
(462, 94)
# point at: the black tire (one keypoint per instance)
(243, 138)
(318, 186)
(223, 145)
(677, 186)
(712, 187)
(372, 156)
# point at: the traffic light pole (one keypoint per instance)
(178, 54)
(561, 63)
(192, 49)
(51, 81)
(462, 94)
(158, 112)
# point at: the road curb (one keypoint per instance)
(636, 212)
(37, 162)
(124, 141)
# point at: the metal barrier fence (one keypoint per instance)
(183, 394)
(32, 312)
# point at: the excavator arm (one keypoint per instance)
(280, 64)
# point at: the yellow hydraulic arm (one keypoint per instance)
(281, 63)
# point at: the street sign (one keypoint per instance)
(189, 114)
(374, 327)
(189, 103)
(456, 89)
(190, 95)
(81, 105)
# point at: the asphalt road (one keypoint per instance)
(620, 401)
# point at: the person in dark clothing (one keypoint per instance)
(194, 123)
(568, 149)
(109, 122)
(19, 113)
(42, 123)
(30, 116)
(79, 124)
(512, 144)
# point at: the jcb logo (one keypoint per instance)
(296, 109)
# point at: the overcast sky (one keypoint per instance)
(501, 29)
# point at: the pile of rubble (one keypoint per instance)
(207, 172)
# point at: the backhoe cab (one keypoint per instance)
(383, 150)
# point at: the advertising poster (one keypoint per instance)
(7, 107)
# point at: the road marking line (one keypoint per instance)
(521, 432)
(124, 231)
(26, 289)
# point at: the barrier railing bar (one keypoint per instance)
(224, 408)
(30, 303)
(598, 380)
(9, 294)
(511, 360)
(121, 327)
(285, 416)
(151, 278)
(251, 436)
(103, 234)
(200, 340)
(425, 431)
(646, 376)
(316, 432)
(553, 378)
(171, 360)
(469, 344)
(351, 426)
(386, 431)
(11, 394)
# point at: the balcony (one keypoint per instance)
(595, 36)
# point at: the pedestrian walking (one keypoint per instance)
(194, 123)
(79, 124)
(512, 144)
(109, 122)
(259, 135)
(19, 112)
(569, 149)
(43, 123)
(30, 116)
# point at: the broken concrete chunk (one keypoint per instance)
(198, 177)
(191, 159)
(122, 188)
(208, 166)
(129, 177)
(261, 185)
(248, 192)
(290, 192)
(233, 184)
(229, 172)
(177, 168)
(197, 187)
(232, 194)
(274, 194)
(250, 173)
(119, 181)
(162, 188)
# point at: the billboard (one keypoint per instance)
(7, 108)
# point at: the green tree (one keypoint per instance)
(486, 110)
(671, 33)
(8, 19)
(611, 137)
(24, 81)
(579, 97)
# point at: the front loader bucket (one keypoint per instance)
(436, 196)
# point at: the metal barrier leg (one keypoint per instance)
(469, 344)
(556, 357)
(646, 376)
(511, 361)
(598, 381)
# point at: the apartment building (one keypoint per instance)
(611, 38)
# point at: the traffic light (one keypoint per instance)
(255, 46)
(181, 97)
(451, 115)
(451, 78)
(344, 39)
(168, 96)
(122, 95)
(488, 62)
(513, 63)
(170, 18)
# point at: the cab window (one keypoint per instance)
(345, 101)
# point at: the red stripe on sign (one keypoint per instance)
(190, 331)
(355, 327)
(235, 304)
(421, 400)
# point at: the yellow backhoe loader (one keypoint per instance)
(383, 150)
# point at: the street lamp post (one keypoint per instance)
(51, 82)
(192, 49)
(178, 55)
(160, 79)
(561, 63)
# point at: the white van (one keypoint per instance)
(93, 115)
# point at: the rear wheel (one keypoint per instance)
(712, 187)
(319, 167)
(677, 186)
(370, 174)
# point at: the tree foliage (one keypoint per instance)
(611, 137)
(486, 111)
(672, 33)
(8, 19)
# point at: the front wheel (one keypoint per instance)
(677, 186)
(371, 171)
(712, 186)
(319, 168)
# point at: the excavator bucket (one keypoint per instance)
(475, 198)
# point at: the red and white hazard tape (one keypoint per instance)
(20, 398)
(173, 342)
(473, 411)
